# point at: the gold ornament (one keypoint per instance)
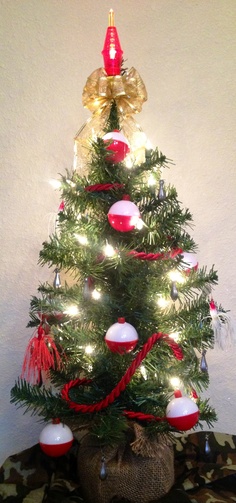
(128, 91)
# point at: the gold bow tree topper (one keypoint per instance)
(100, 91)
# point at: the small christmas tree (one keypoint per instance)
(129, 310)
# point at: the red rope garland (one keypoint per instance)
(98, 187)
(140, 416)
(109, 399)
(156, 256)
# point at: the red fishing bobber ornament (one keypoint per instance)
(117, 146)
(182, 412)
(56, 439)
(121, 337)
(190, 262)
(124, 215)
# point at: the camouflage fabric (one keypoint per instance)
(33, 477)
(200, 477)
(206, 477)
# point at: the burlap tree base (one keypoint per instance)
(139, 471)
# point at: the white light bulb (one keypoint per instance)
(174, 336)
(151, 180)
(176, 276)
(72, 310)
(162, 302)
(128, 161)
(83, 240)
(138, 147)
(143, 372)
(139, 224)
(109, 250)
(139, 140)
(175, 382)
(89, 349)
(96, 294)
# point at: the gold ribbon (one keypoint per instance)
(127, 90)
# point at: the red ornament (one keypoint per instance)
(121, 337)
(182, 413)
(61, 207)
(124, 215)
(112, 52)
(116, 143)
(194, 394)
(41, 354)
(56, 439)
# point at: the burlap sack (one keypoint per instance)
(139, 471)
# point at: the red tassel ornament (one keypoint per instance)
(41, 355)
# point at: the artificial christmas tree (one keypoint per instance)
(133, 309)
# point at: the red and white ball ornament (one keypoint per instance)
(117, 146)
(124, 215)
(56, 439)
(121, 337)
(190, 262)
(182, 412)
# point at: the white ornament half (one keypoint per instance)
(190, 261)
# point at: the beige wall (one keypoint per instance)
(185, 50)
